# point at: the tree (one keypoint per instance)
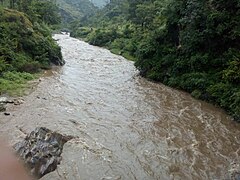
(46, 11)
(12, 4)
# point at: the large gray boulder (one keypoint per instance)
(41, 150)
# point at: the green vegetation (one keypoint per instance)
(72, 10)
(15, 83)
(191, 45)
(26, 45)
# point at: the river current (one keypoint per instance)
(125, 127)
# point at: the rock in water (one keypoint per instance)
(7, 114)
(41, 150)
(2, 108)
(3, 99)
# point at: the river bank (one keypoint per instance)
(125, 127)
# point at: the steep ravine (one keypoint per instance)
(125, 127)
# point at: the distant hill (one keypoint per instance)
(75, 9)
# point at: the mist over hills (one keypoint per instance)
(99, 3)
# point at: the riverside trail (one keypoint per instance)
(125, 127)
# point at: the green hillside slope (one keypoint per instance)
(75, 9)
(26, 44)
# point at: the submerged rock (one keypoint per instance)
(5, 100)
(41, 150)
(18, 101)
(2, 107)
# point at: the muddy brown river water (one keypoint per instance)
(126, 127)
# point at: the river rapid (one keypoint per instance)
(125, 127)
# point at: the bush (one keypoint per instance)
(102, 37)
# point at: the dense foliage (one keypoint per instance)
(187, 44)
(26, 45)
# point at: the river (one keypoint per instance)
(125, 127)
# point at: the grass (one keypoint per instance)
(15, 83)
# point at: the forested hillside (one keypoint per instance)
(190, 45)
(75, 9)
(26, 45)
